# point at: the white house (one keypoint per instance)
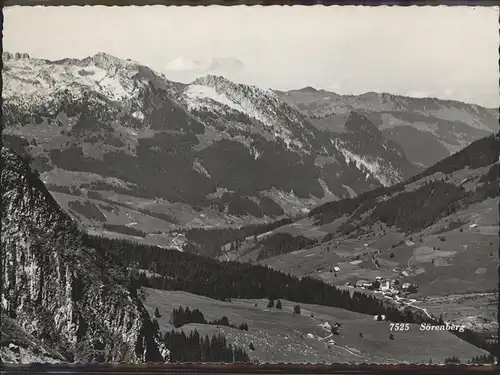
(385, 285)
(406, 285)
(326, 326)
(336, 269)
(360, 283)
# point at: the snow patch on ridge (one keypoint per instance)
(199, 95)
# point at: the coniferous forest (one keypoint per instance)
(196, 348)
(225, 280)
(405, 210)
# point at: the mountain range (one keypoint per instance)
(428, 129)
(116, 139)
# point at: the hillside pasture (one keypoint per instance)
(281, 336)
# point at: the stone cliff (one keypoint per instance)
(69, 296)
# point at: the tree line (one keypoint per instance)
(481, 359)
(181, 316)
(225, 280)
(196, 348)
(209, 241)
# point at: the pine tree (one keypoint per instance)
(157, 313)
(251, 346)
(270, 304)
(278, 305)
(156, 325)
(296, 310)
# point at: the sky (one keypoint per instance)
(443, 52)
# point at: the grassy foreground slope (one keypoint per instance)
(281, 336)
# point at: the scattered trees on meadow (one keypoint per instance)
(296, 309)
(183, 316)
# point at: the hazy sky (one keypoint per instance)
(445, 52)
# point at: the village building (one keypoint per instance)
(336, 269)
(385, 285)
(336, 328)
(327, 326)
(360, 283)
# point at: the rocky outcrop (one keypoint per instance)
(15, 56)
(60, 291)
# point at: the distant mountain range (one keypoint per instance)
(427, 129)
(106, 133)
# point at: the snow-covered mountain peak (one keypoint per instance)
(211, 80)
(109, 62)
(216, 93)
(36, 81)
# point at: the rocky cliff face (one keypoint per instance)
(58, 290)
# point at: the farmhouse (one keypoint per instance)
(406, 285)
(336, 269)
(336, 328)
(385, 285)
(327, 326)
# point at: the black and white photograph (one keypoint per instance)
(260, 185)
